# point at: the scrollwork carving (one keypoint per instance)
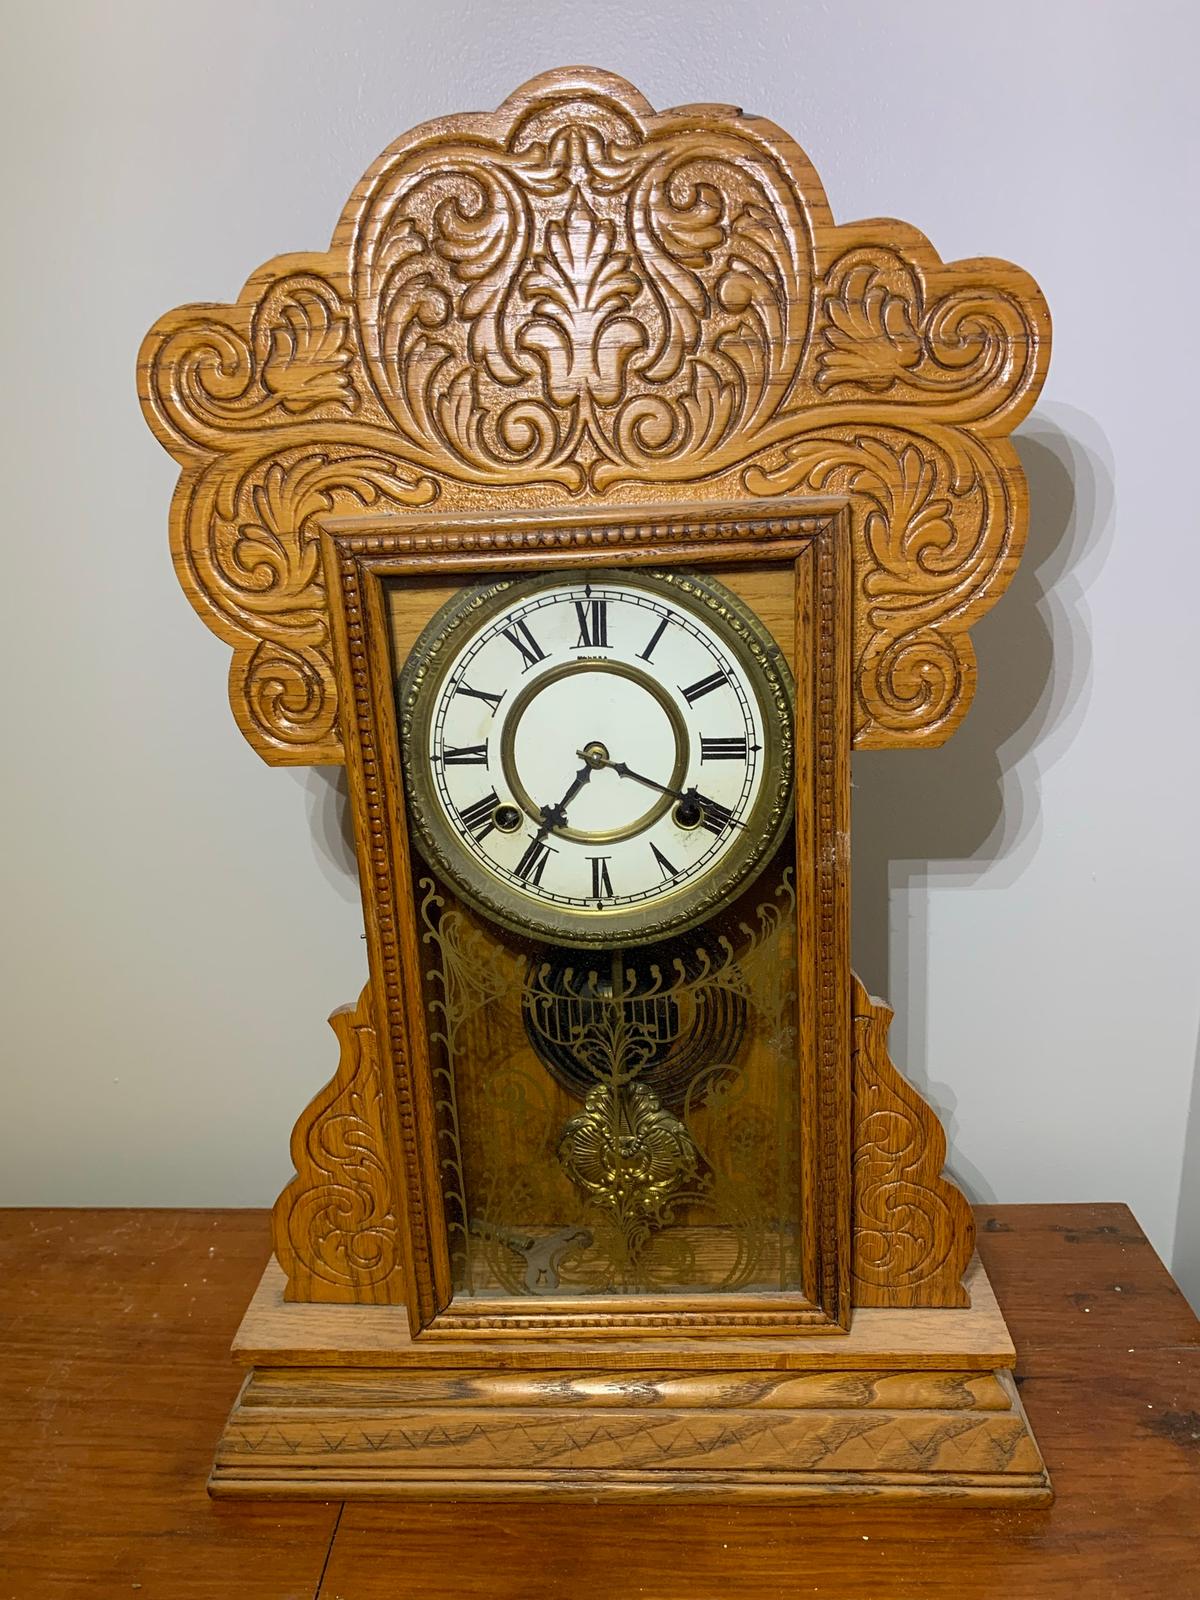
(584, 301)
(913, 1230)
(941, 526)
(575, 299)
(962, 356)
(215, 377)
(334, 1227)
(251, 548)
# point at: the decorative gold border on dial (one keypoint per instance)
(508, 764)
(433, 656)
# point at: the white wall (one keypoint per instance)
(181, 917)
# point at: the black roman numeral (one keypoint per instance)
(664, 866)
(593, 624)
(464, 755)
(520, 637)
(714, 816)
(703, 686)
(601, 882)
(723, 749)
(644, 655)
(533, 863)
(493, 700)
(478, 816)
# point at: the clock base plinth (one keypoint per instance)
(909, 1405)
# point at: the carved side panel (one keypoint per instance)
(913, 1230)
(575, 300)
(334, 1227)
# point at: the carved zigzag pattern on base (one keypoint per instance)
(848, 1441)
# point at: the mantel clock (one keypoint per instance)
(590, 498)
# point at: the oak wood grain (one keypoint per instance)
(279, 1332)
(115, 1380)
(913, 1231)
(1109, 1372)
(544, 315)
(588, 1432)
(335, 1225)
(540, 316)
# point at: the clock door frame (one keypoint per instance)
(362, 555)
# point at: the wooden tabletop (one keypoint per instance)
(116, 1378)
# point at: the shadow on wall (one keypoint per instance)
(327, 796)
(942, 816)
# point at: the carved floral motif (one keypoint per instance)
(574, 299)
(965, 356)
(309, 356)
(870, 340)
(940, 525)
(252, 546)
(584, 304)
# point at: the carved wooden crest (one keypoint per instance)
(575, 300)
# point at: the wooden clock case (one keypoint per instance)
(576, 333)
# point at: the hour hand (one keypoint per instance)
(555, 816)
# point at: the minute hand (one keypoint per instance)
(623, 770)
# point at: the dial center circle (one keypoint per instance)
(607, 711)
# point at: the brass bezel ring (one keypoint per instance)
(741, 633)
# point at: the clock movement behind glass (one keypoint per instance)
(590, 499)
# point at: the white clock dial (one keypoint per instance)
(597, 758)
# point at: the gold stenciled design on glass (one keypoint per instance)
(624, 1152)
(640, 1143)
(465, 980)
